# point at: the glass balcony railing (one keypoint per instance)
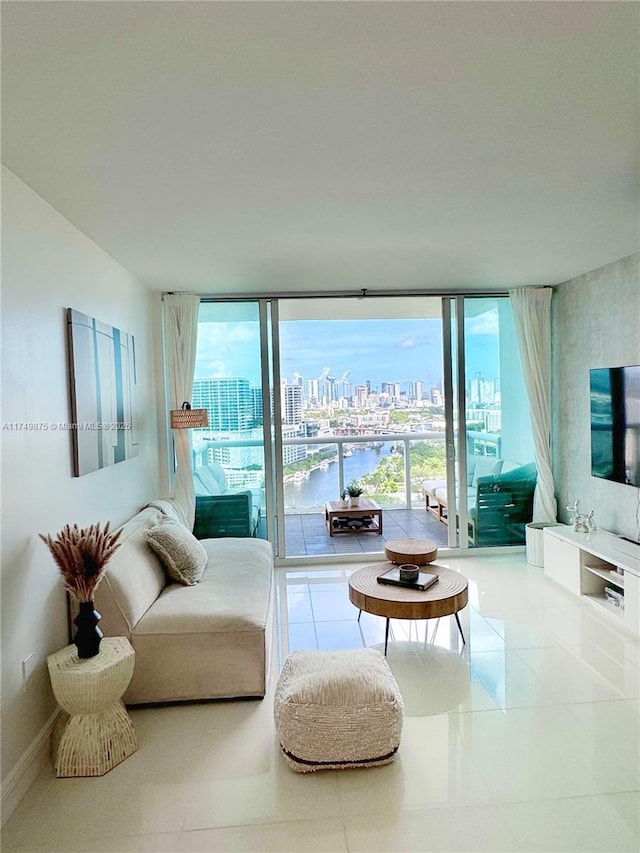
(390, 468)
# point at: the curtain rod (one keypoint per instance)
(363, 293)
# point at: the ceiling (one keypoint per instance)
(246, 147)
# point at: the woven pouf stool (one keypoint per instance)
(416, 551)
(336, 710)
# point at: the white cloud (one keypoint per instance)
(407, 343)
(484, 324)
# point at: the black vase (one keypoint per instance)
(88, 635)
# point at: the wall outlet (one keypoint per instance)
(28, 666)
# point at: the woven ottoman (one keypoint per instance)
(336, 710)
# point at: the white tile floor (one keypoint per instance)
(528, 738)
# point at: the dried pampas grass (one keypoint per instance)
(82, 556)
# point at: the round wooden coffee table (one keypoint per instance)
(444, 598)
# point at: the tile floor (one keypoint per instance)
(306, 533)
(526, 739)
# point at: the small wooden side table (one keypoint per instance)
(420, 552)
(96, 733)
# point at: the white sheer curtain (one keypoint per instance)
(181, 334)
(532, 316)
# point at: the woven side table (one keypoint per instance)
(96, 733)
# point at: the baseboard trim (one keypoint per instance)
(25, 771)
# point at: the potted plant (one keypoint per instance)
(82, 556)
(354, 490)
(344, 498)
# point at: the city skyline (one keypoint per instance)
(380, 351)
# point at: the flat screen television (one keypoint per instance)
(615, 424)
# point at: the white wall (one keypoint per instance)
(595, 323)
(47, 266)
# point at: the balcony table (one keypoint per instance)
(335, 512)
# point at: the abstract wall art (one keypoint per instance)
(102, 370)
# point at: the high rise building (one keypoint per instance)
(256, 397)
(312, 392)
(229, 403)
(291, 404)
(361, 394)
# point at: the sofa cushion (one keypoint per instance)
(523, 473)
(485, 465)
(205, 483)
(170, 508)
(210, 479)
(134, 578)
(217, 604)
(429, 486)
(181, 554)
(441, 495)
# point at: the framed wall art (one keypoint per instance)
(103, 380)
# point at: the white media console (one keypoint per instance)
(601, 567)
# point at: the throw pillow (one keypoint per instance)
(182, 555)
(485, 466)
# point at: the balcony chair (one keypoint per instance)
(503, 507)
(221, 511)
(499, 500)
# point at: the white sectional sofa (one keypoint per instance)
(207, 641)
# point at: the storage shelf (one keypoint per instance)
(605, 604)
(586, 564)
(610, 575)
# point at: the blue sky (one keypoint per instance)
(378, 350)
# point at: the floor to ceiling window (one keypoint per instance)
(229, 454)
(407, 397)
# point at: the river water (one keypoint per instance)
(322, 484)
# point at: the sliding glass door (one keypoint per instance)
(491, 470)
(362, 401)
(230, 455)
(416, 399)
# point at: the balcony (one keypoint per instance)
(391, 466)
(306, 534)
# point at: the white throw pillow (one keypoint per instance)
(182, 555)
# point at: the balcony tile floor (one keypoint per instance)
(525, 739)
(307, 534)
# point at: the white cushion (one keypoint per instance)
(337, 710)
(170, 508)
(134, 579)
(441, 495)
(484, 467)
(429, 486)
(182, 555)
(205, 482)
